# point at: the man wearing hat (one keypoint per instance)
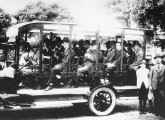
(89, 59)
(80, 51)
(138, 55)
(56, 62)
(114, 59)
(110, 45)
(58, 52)
(157, 84)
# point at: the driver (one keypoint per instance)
(26, 59)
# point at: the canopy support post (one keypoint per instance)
(40, 50)
(70, 44)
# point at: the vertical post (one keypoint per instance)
(26, 36)
(145, 47)
(70, 44)
(16, 59)
(97, 48)
(122, 49)
(40, 49)
(15, 48)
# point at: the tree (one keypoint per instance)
(43, 12)
(152, 15)
(124, 10)
(5, 22)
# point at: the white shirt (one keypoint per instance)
(142, 76)
(7, 72)
(24, 56)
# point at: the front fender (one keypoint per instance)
(108, 86)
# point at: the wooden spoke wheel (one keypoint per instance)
(102, 101)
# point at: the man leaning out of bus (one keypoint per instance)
(136, 62)
(138, 55)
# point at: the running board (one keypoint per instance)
(128, 98)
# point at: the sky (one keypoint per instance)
(84, 11)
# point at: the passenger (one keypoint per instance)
(2, 58)
(142, 85)
(9, 84)
(130, 53)
(58, 52)
(27, 58)
(114, 62)
(115, 58)
(9, 70)
(11, 53)
(110, 45)
(35, 51)
(138, 55)
(47, 53)
(55, 71)
(80, 51)
(89, 60)
(136, 62)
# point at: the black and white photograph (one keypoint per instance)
(82, 59)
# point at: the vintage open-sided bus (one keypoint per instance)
(98, 92)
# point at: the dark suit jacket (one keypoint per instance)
(138, 58)
(116, 58)
(157, 77)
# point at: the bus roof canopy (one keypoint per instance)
(57, 27)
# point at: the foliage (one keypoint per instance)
(124, 10)
(152, 14)
(5, 22)
(43, 12)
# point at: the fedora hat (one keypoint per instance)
(163, 55)
(136, 43)
(158, 55)
(80, 41)
(58, 39)
(108, 42)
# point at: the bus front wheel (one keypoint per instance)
(102, 101)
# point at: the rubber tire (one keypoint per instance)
(107, 111)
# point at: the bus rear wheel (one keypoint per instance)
(102, 101)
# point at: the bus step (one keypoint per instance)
(128, 98)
